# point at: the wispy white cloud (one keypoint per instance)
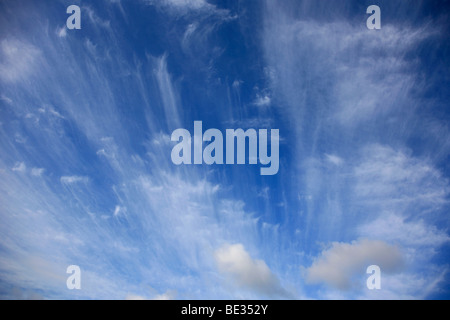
(406, 286)
(74, 179)
(19, 167)
(119, 210)
(176, 218)
(191, 4)
(168, 94)
(62, 32)
(37, 172)
(345, 89)
(365, 84)
(19, 59)
(95, 18)
(182, 7)
(6, 99)
(334, 159)
(412, 234)
(393, 179)
(394, 197)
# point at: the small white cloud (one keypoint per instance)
(161, 139)
(118, 210)
(62, 32)
(102, 152)
(215, 188)
(264, 193)
(337, 265)
(262, 101)
(37, 172)
(20, 139)
(331, 158)
(19, 167)
(55, 113)
(235, 262)
(74, 179)
(237, 83)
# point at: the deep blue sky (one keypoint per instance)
(86, 176)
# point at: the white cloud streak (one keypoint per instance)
(413, 234)
(74, 179)
(184, 7)
(168, 95)
(19, 60)
(393, 179)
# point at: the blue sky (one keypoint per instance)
(87, 179)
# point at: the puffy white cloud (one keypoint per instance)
(235, 262)
(337, 265)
